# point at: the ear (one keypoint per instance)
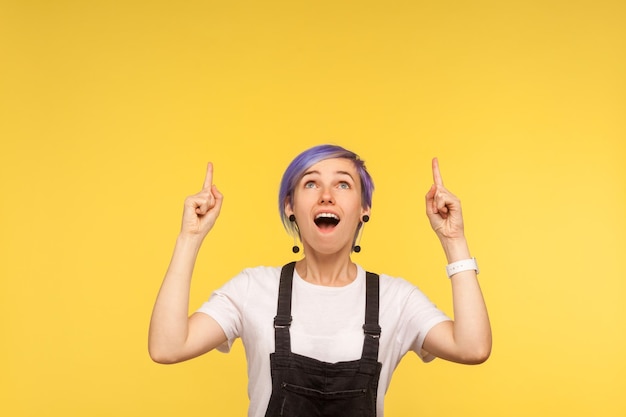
(288, 208)
(366, 211)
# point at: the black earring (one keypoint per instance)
(357, 247)
(295, 248)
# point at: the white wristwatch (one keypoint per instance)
(460, 266)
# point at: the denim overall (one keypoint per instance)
(306, 387)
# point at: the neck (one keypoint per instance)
(335, 270)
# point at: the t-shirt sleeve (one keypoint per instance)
(422, 315)
(226, 307)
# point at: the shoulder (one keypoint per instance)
(392, 283)
(250, 284)
(399, 290)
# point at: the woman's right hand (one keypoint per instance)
(201, 210)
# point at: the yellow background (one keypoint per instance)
(109, 111)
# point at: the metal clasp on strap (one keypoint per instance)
(280, 322)
(372, 330)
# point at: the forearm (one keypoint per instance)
(169, 326)
(472, 331)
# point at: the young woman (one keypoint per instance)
(322, 336)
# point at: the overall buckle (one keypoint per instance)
(372, 330)
(281, 322)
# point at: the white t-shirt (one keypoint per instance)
(327, 324)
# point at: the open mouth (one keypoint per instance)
(326, 221)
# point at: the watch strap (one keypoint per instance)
(462, 265)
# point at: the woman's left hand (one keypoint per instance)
(443, 208)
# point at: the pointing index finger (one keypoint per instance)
(436, 174)
(208, 180)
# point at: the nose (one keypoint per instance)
(326, 196)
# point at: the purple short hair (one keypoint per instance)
(296, 169)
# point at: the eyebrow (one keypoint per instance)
(336, 172)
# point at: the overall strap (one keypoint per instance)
(371, 328)
(282, 321)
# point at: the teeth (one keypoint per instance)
(328, 215)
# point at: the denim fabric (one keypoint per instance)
(306, 387)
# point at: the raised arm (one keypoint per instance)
(173, 335)
(467, 339)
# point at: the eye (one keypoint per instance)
(309, 184)
(344, 185)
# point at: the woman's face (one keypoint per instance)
(327, 206)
